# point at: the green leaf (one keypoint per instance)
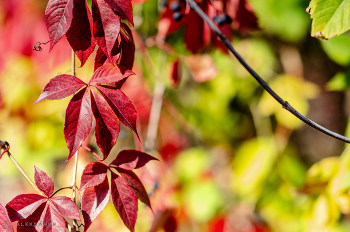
(338, 49)
(340, 82)
(330, 17)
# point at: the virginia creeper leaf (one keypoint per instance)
(108, 73)
(107, 124)
(59, 87)
(127, 47)
(80, 35)
(34, 222)
(58, 18)
(94, 174)
(330, 18)
(93, 201)
(124, 201)
(78, 121)
(131, 159)
(5, 222)
(66, 207)
(123, 8)
(53, 221)
(106, 26)
(135, 185)
(121, 105)
(101, 59)
(43, 181)
(23, 205)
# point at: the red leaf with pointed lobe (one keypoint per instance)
(123, 8)
(58, 18)
(94, 174)
(124, 201)
(132, 159)
(79, 35)
(24, 205)
(78, 121)
(66, 207)
(53, 221)
(107, 124)
(106, 26)
(135, 185)
(59, 87)
(127, 47)
(108, 73)
(176, 72)
(5, 222)
(121, 105)
(101, 59)
(93, 201)
(34, 222)
(43, 181)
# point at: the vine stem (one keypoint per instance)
(6, 147)
(194, 6)
(73, 185)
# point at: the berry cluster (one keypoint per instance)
(221, 20)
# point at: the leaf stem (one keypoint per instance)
(94, 154)
(70, 187)
(6, 146)
(194, 6)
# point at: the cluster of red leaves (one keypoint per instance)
(35, 212)
(113, 63)
(126, 187)
(198, 35)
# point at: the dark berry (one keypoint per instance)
(227, 19)
(163, 3)
(177, 16)
(216, 18)
(175, 6)
(221, 21)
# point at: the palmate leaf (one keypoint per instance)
(330, 18)
(108, 73)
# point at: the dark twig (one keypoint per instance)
(194, 6)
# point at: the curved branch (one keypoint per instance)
(194, 6)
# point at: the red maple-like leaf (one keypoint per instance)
(107, 124)
(58, 18)
(5, 222)
(121, 105)
(78, 121)
(79, 35)
(123, 8)
(59, 87)
(106, 26)
(131, 159)
(36, 213)
(94, 200)
(126, 188)
(43, 181)
(124, 201)
(108, 73)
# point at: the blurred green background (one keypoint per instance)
(231, 159)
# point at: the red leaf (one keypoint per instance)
(107, 124)
(93, 201)
(176, 72)
(80, 35)
(106, 26)
(66, 207)
(59, 87)
(58, 18)
(127, 47)
(43, 181)
(242, 14)
(78, 121)
(108, 73)
(23, 205)
(123, 8)
(93, 175)
(101, 59)
(121, 105)
(53, 221)
(131, 159)
(124, 201)
(5, 222)
(135, 185)
(34, 222)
